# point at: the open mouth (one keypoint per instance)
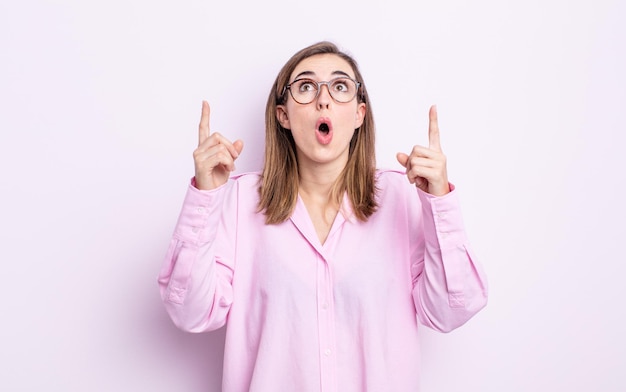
(324, 131)
(323, 128)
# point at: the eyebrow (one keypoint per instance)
(311, 73)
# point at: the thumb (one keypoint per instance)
(402, 158)
(238, 144)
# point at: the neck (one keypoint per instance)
(315, 189)
(318, 180)
(319, 175)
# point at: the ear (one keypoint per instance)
(283, 118)
(361, 109)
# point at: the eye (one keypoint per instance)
(306, 85)
(341, 85)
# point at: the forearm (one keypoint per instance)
(452, 286)
(195, 282)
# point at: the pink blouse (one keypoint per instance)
(305, 316)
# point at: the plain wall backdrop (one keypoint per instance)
(99, 106)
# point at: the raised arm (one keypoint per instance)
(449, 283)
(195, 280)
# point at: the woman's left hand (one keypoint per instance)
(426, 166)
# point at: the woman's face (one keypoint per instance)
(322, 129)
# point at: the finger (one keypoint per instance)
(216, 139)
(215, 156)
(402, 158)
(421, 151)
(423, 162)
(203, 130)
(433, 129)
(422, 172)
(421, 183)
(217, 142)
(238, 144)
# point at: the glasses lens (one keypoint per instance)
(341, 89)
(304, 90)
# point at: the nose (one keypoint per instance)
(324, 98)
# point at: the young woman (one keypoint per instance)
(321, 266)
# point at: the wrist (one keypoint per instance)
(439, 189)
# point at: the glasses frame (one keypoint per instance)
(319, 89)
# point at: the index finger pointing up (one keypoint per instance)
(204, 130)
(433, 129)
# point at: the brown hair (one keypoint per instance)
(278, 188)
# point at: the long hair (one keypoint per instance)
(278, 187)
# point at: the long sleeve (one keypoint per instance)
(195, 283)
(305, 316)
(449, 283)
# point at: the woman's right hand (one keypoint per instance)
(215, 156)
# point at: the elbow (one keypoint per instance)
(188, 320)
(179, 316)
(453, 314)
(460, 317)
(190, 326)
(194, 315)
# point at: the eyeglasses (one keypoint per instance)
(341, 89)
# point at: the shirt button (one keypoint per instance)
(327, 352)
(325, 305)
(200, 210)
(194, 230)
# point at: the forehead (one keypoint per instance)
(323, 66)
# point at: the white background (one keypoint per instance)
(99, 106)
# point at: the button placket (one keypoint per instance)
(326, 325)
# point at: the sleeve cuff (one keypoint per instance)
(199, 216)
(443, 221)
